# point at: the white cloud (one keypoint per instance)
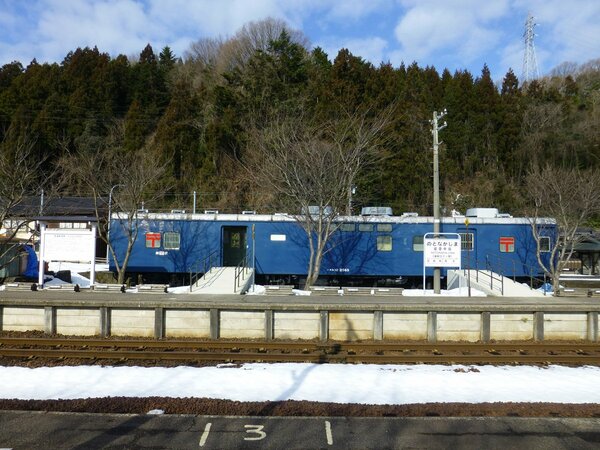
(210, 18)
(459, 27)
(356, 9)
(371, 49)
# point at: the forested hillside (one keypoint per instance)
(193, 112)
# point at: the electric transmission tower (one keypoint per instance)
(530, 67)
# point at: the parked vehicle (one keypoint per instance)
(375, 248)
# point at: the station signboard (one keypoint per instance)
(442, 251)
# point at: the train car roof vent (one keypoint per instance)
(410, 214)
(178, 211)
(248, 212)
(488, 213)
(376, 211)
(314, 210)
(504, 216)
(211, 211)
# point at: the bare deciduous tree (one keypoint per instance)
(310, 168)
(127, 179)
(571, 197)
(21, 178)
(227, 54)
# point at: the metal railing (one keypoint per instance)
(240, 271)
(199, 268)
(510, 267)
(488, 276)
(495, 271)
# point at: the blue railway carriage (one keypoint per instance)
(371, 249)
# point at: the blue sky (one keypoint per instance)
(457, 34)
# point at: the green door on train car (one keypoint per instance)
(234, 245)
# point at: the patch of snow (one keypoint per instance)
(179, 290)
(362, 383)
(256, 289)
(458, 292)
(300, 292)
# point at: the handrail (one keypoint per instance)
(491, 274)
(240, 270)
(503, 267)
(207, 264)
(499, 268)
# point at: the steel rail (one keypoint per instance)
(123, 355)
(304, 345)
(140, 343)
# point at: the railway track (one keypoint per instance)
(295, 351)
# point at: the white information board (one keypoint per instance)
(73, 245)
(441, 251)
(67, 245)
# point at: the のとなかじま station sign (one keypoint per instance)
(442, 250)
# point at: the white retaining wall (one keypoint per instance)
(162, 322)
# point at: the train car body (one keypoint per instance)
(363, 250)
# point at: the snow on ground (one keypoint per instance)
(366, 384)
(75, 269)
(458, 292)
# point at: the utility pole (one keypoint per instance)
(436, 188)
(351, 192)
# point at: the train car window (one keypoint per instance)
(172, 240)
(348, 227)
(418, 243)
(153, 240)
(365, 227)
(384, 243)
(466, 240)
(545, 244)
(384, 227)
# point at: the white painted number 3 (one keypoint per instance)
(258, 429)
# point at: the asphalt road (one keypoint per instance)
(37, 430)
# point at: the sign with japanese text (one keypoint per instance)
(441, 251)
(75, 245)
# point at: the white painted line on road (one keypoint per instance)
(205, 434)
(328, 432)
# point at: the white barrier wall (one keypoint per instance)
(242, 324)
(565, 326)
(23, 319)
(296, 325)
(160, 322)
(187, 323)
(78, 322)
(350, 326)
(405, 326)
(458, 327)
(132, 322)
(511, 327)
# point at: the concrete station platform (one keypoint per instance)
(161, 315)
